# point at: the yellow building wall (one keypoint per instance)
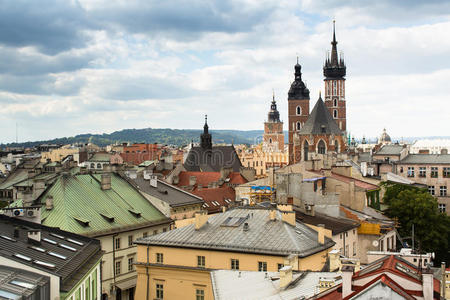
(56, 155)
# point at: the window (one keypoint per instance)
(262, 266)
(434, 172)
(99, 166)
(279, 266)
(410, 171)
(298, 110)
(446, 172)
(431, 190)
(155, 232)
(117, 267)
(321, 149)
(159, 291)
(442, 207)
(335, 113)
(299, 126)
(144, 234)
(199, 294)
(200, 261)
(354, 248)
(422, 172)
(334, 87)
(335, 102)
(117, 243)
(347, 252)
(234, 264)
(159, 258)
(130, 264)
(164, 229)
(443, 191)
(92, 166)
(130, 240)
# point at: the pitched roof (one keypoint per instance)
(81, 206)
(426, 159)
(101, 157)
(320, 121)
(262, 237)
(166, 192)
(212, 160)
(34, 282)
(72, 252)
(390, 149)
(358, 183)
(215, 198)
(336, 225)
(203, 178)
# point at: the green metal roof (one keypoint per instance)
(81, 206)
(14, 178)
(102, 157)
(147, 163)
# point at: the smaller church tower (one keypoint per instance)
(298, 108)
(273, 139)
(334, 71)
(205, 137)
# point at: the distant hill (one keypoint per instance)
(166, 136)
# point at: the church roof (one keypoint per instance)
(212, 160)
(320, 121)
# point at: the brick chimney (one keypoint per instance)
(285, 276)
(105, 181)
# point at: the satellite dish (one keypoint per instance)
(375, 243)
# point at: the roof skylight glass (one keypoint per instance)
(8, 238)
(57, 235)
(22, 284)
(45, 264)
(75, 242)
(67, 247)
(57, 255)
(50, 241)
(22, 256)
(38, 248)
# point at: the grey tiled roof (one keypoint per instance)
(212, 160)
(82, 253)
(390, 150)
(320, 116)
(263, 237)
(166, 192)
(426, 159)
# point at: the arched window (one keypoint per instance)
(299, 126)
(99, 166)
(92, 165)
(336, 146)
(334, 87)
(270, 141)
(335, 114)
(321, 148)
(305, 150)
(335, 102)
(298, 110)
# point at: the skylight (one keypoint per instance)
(22, 256)
(49, 241)
(75, 242)
(67, 247)
(22, 284)
(8, 238)
(45, 264)
(57, 235)
(38, 249)
(57, 255)
(9, 295)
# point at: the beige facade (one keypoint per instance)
(117, 267)
(261, 161)
(56, 155)
(346, 242)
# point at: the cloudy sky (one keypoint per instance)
(71, 67)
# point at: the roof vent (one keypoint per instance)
(246, 227)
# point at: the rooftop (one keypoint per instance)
(390, 149)
(212, 160)
(320, 121)
(426, 159)
(82, 206)
(17, 283)
(336, 225)
(263, 235)
(61, 253)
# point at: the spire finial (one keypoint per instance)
(320, 94)
(334, 30)
(273, 95)
(206, 119)
(297, 59)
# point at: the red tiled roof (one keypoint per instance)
(236, 178)
(212, 196)
(203, 178)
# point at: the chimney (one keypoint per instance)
(200, 220)
(34, 236)
(285, 276)
(321, 233)
(176, 179)
(192, 180)
(347, 274)
(334, 259)
(309, 210)
(427, 284)
(246, 227)
(154, 181)
(105, 182)
(49, 203)
(272, 215)
(288, 217)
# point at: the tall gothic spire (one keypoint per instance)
(334, 55)
(205, 137)
(274, 114)
(334, 68)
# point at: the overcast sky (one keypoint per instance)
(71, 67)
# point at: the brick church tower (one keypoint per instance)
(334, 71)
(273, 139)
(298, 108)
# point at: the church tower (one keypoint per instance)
(334, 71)
(273, 139)
(298, 108)
(205, 137)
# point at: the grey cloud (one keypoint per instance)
(51, 26)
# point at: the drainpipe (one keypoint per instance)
(148, 276)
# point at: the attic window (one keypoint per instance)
(134, 212)
(107, 216)
(323, 129)
(45, 264)
(22, 256)
(75, 242)
(82, 221)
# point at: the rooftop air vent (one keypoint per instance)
(246, 227)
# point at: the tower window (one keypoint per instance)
(299, 126)
(298, 110)
(334, 87)
(270, 141)
(321, 148)
(335, 113)
(335, 102)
